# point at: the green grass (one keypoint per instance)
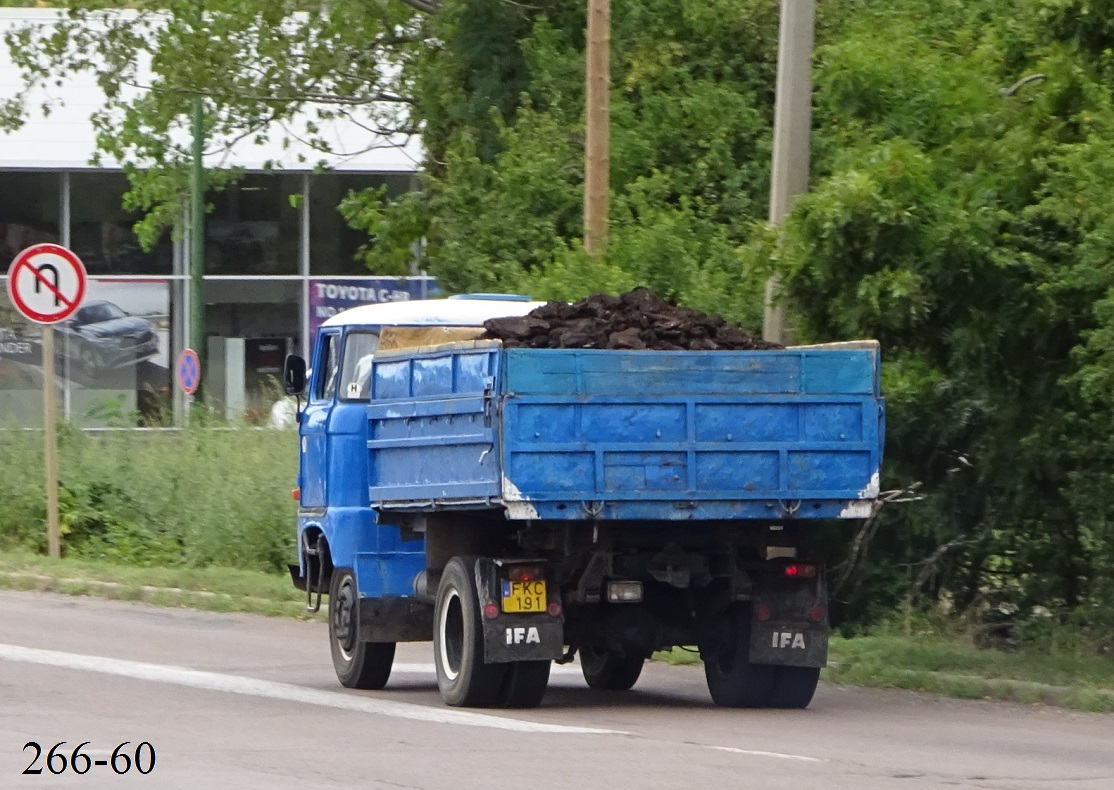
(927, 652)
(677, 656)
(190, 498)
(951, 665)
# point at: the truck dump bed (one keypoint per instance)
(644, 435)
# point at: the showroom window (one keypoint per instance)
(255, 226)
(333, 245)
(30, 209)
(101, 230)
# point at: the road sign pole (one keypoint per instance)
(46, 284)
(50, 418)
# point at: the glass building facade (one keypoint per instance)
(272, 242)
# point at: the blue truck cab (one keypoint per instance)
(521, 506)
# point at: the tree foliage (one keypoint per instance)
(957, 215)
(502, 106)
(262, 69)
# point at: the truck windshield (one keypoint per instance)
(355, 370)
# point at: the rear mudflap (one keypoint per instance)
(516, 636)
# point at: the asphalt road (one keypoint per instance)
(251, 702)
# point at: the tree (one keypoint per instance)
(958, 217)
(263, 69)
(502, 105)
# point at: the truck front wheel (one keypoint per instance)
(462, 676)
(358, 664)
(609, 671)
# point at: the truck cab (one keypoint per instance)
(337, 528)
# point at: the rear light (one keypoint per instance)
(525, 573)
(762, 612)
(799, 570)
(554, 609)
(624, 592)
(816, 614)
(296, 493)
(491, 611)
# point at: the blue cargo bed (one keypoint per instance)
(646, 435)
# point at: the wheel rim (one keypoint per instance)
(452, 635)
(344, 627)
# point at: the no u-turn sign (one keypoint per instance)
(46, 283)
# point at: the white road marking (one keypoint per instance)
(754, 753)
(429, 669)
(235, 684)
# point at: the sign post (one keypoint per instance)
(46, 283)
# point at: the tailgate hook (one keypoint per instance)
(789, 508)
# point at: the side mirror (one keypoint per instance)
(294, 375)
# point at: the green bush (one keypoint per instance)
(195, 497)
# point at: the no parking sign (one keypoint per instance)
(189, 371)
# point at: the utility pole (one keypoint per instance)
(792, 127)
(197, 233)
(597, 118)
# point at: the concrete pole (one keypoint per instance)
(597, 117)
(792, 126)
(197, 237)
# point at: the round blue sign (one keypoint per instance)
(189, 371)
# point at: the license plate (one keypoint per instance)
(524, 596)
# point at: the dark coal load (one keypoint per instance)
(638, 319)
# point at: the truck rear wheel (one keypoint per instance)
(358, 664)
(794, 687)
(524, 684)
(733, 680)
(607, 670)
(462, 676)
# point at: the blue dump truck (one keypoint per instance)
(521, 506)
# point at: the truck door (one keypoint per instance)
(313, 477)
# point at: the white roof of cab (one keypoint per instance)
(432, 312)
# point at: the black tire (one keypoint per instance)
(794, 687)
(733, 680)
(607, 670)
(524, 684)
(458, 652)
(358, 664)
